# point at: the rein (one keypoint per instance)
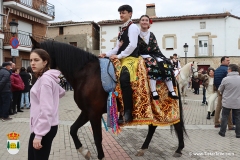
(109, 73)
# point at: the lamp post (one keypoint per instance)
(13, 29)
(185, 46)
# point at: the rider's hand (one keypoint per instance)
(102, 55)
(113, 57)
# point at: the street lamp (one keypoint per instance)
(185, 46)
(13, 41)
(13, 27)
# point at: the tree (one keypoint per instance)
(8, 145)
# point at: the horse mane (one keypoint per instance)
(67, 58)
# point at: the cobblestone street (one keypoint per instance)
(203, 141)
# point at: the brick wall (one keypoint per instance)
(37, 28)
(22, 56)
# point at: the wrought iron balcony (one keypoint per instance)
(23, 38)
(41, 6)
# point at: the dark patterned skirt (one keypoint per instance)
(158, 70)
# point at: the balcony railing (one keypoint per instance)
(23, 38)
(40, 5)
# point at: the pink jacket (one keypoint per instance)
(44, 98)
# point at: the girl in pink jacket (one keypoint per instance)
(44, 98)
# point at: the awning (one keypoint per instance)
(27, 16)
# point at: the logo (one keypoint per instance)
(13, 144)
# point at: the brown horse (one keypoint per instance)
(82, 71)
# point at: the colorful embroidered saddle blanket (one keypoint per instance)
(108, 76)
(162, 112)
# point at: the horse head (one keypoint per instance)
(194, 69)
(37, 45)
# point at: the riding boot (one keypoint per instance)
(153, 89)
(126, 94)
(208, 116)
(172, 93)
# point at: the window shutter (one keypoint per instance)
(169, 42)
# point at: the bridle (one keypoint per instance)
(192, 70)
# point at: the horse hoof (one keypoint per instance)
(85, 153)
(177, 154)
(140, 152)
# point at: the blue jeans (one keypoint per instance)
(5, 99)
(204, 95)
(224, 121)
(26, 98)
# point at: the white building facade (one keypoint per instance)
(208, 36)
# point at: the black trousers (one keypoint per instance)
(44, 152)
(126, 89)
(16, 96)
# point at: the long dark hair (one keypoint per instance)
(45, 57)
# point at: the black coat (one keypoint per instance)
(5, 81)
(26, 79)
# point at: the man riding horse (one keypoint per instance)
(127, 53)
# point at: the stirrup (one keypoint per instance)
(172, 96)
(156, 97)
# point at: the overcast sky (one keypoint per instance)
(97, 10)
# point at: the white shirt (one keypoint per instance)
(145, 36)
(133, 32)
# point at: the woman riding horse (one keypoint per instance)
(158, 66)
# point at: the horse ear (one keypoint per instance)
(35, 44)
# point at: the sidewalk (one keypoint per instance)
(203, 141)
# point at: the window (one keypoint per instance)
(25, 63)
(60, 30)
(169, 43)
(202, 25)
(73, 43)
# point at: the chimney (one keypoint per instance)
(150, 10)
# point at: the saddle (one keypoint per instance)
(108, 76)
(162, 112)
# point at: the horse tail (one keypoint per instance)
(181, 112)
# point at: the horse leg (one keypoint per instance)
(179, 130)
(95, 121)
(151, 130)
(184, 94)
(81, 120)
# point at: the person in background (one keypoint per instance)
(176, 64)
(45, 95)
(17, 86)
(25, 92)
(5, 91)
(211, 91)
(219, 74)
(204, 102)
(230, 91)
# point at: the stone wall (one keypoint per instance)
(212, 61)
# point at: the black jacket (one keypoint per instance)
(5, 82)
(26, 78)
